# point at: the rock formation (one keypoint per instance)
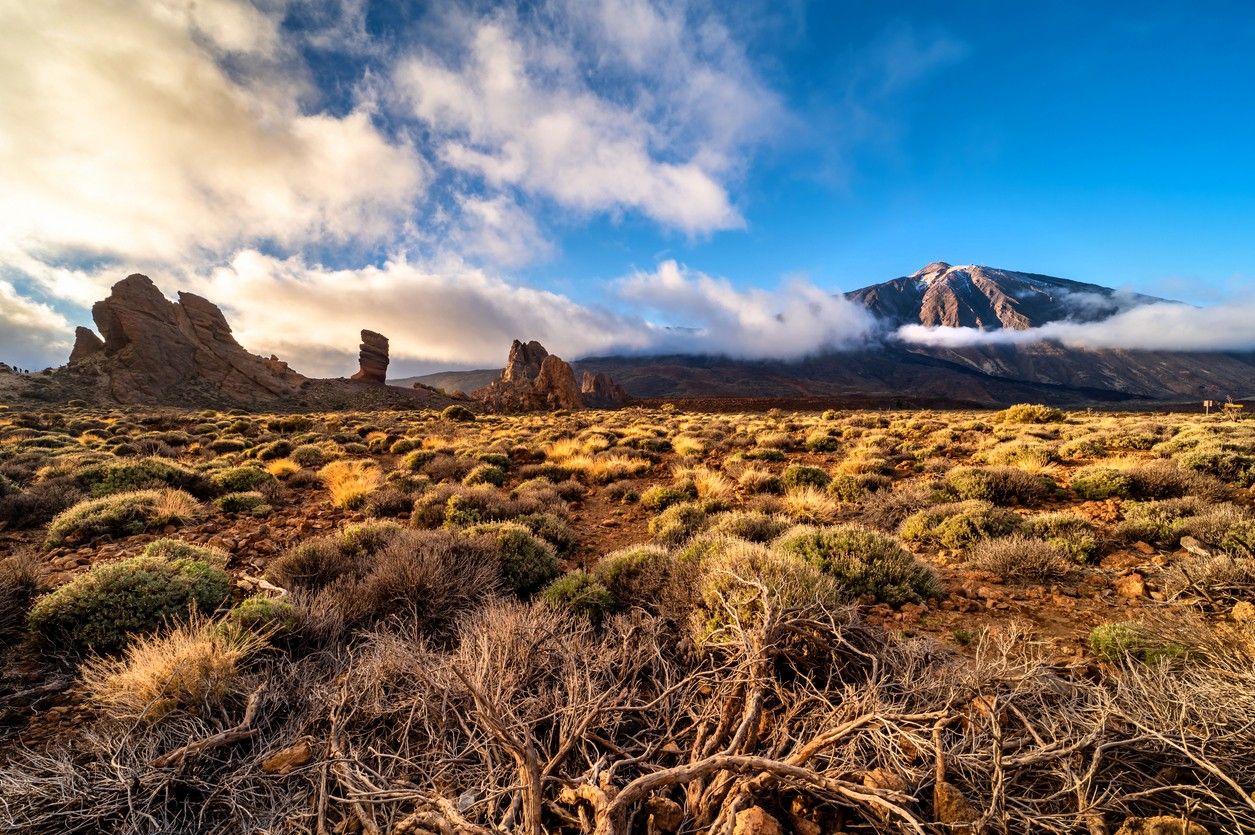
(600, 391)
(372, 358)
(158, 351)
(86, 344)
(534, 380)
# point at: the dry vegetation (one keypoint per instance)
(622, 622)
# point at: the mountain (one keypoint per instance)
(940, 295)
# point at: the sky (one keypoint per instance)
(615, 175)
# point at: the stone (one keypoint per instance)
(533, 380)
(524, 361)
(158, 351)
(1243, 611)
(755, 821)
(665, 814)
(372, 358)
(86, 344)
(883, 778)
(289, 759)
(1160, 825)
(1131, 586)
(556, 384)
(1194, 547)
(600, 391)
(952, 808)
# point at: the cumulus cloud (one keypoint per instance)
(1164, 326)
(164, 129)
(512, 101)
(714, 317)
(30, 332)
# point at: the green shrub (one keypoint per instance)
(1073, 535)
(223, 446)
(863, 562)
(1230, 465)
(176, 549)
(1000, 485)
(1116, 642)
(273, 451)
(551, 528)
(581, 593)
(308, 455)
(853, 487)
(1157, 522)
(753, 525)
(122, 514)
(240, 502)
(801, 475)
(636, 576)
(288, 424)
(485, 474)
(111, 477)
(1098, 483)
(267, 616)
(764, 453)
(960, 524)
(240, 479)
(458, 413)
(677, 523)
(527, 562)
(416, 459)
(1028, 413)
(821, 440)
(662, 496)
(102, 608)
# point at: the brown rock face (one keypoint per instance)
(533, 380)
(600, 391)
(158, 351)
(86, 344)
(372, 358)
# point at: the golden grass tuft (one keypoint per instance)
(282, 468)
(810, 504)
(350, 481)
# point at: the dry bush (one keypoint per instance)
(197, 668)
(810, 504)
(350, 482)
(1019, 558)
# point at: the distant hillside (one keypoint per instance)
(450, 381)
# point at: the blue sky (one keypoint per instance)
(590, 172)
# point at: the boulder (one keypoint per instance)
(533, 380)
(755, 821)
(555, 384)
(86, 344)
(372, 358)
(158, 351)
(600, 391)
(524, 362)
(952, 808)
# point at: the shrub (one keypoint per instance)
(147, 473)
(758, 480)
(283, 468)
(104, 607)
(350, 482)
(677, 523)
(527, 562)
(1020, 558)
(863, 562)
(1028, 413)
(273, 450)
(388, 502)
(223, 446)
(1098, 483)
(763, 453)
(176, 549)
(1073, 535)
(801, 475)
(1164, 480)
(196, 668)
(240, 502)
(1000, 485)
(19, 581)
(753, 525)
(485, 474)
(122, 514)
(662, 496)
(1116, 642)
(636, 576)
(1157, 522)
(850, 487)
(240, 479)
(581, 593)
(1231, 465)
(418, 459)
(820, 440)
(551, 528)
(457, 413)
(266, 617)
(809, 504)
(961, 524)
(308, 455)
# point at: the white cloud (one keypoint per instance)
(123, 134)
(514, 102)
(1164, 326)
(30, 332)
(795, 320)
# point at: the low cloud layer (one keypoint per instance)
(30, 331)
(1163, 326)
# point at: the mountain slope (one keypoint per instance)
(940, 295)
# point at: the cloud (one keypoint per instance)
(1164, 326)
(169, 130)
(795, 320)
(511, 100)
(30, 331)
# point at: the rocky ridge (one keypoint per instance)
(535, 380)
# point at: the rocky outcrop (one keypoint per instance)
(158, 351)
(533, 380)
(372, 358)
(600, 391)
(86, 344)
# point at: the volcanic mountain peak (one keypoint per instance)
(986, 298)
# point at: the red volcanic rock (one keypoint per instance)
(600, 391)
(155, 350)
(86, 344)
(533, 380)
(372, 358)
